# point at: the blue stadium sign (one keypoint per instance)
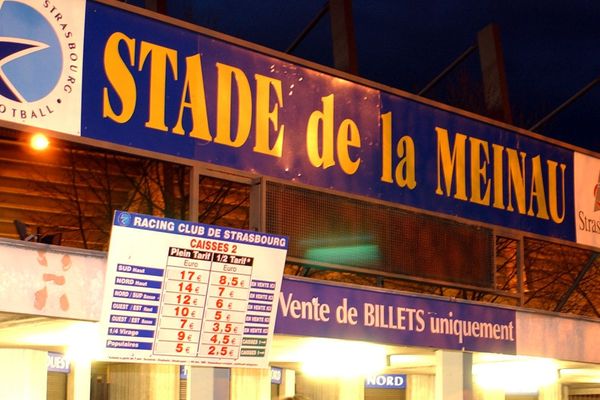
(148, 84)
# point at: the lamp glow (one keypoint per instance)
(521, 376)
(85, 344)
(411, 360)
(587, 375)
(342, 359)
(39, 142)
(82, 340)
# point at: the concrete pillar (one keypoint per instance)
(205, 383)
(342, 34)
(420, 387)
(453, 378)
(23, 374)
(493, 73)
(78, 382)
(143, 381)
(250, 384)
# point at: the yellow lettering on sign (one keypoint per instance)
(226, 75)
(193, 98)
(553, 191)
(498, 152)
(322, 157)
(405, 172)
(233, 98)
(266, 118)
(320, 143)
(516, 184)
(386, 147)
(521, 186)
(479, 171)
(159, 56)
(348, 136)
(119, 77)
(451, 165)
(537, 192)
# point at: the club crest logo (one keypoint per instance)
(587, 199)
(40, 61)
(124, 219)
(597, 195)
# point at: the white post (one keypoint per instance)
(24, 374)
(453, 375)
(204, 383)
(78, 383)
(250, 384)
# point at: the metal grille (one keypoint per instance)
(56, 386)
(348, 232)
(71, 190)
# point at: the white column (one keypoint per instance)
(23, 374)
(78, 382)
(204, 383)
(250, 384)
(453, 380)
(288, 383)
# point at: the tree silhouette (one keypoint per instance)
(84, 186)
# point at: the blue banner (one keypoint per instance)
(327, 310)
(58, 363)
(158, 87)
(276, 375)
(386, 381)
(168, 225)
(474, 170)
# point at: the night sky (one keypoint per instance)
(551, 49)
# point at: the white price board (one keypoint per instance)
(183, 292)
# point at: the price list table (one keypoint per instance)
(186, 292)
(134, 308)
(204, 303)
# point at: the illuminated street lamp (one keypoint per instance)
(39, 142)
